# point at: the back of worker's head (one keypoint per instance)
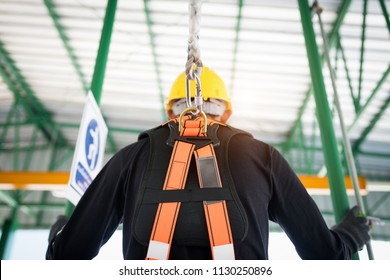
(217, 103)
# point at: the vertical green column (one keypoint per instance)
(100, 64)
(7, 234)
(104, 46)
(331, 155)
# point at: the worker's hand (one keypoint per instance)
(354, 229)
(57, 227)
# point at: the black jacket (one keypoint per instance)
(266, 185)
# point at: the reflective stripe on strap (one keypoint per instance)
(166, 216)
(158, 250)
(223, 252)
(216, 214)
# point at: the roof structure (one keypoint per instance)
(49, 58)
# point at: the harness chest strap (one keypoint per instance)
(217, 220)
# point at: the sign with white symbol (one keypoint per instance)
(89, 152)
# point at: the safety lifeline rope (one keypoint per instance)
(216, 215)
(193, 67)
(350, 161)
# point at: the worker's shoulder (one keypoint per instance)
(157, 130)
(231, 130)
(135, 147)
(239, 135)
(245, 141)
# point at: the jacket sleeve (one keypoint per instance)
(98, 213)
(296, 212)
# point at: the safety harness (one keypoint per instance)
(191, 142)
(216, 214)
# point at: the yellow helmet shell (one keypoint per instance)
(212, 87)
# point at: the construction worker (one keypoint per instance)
(261, 187)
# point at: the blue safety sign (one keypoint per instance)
(89, 152)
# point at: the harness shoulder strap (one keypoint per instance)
(166, 216)
(217, 218)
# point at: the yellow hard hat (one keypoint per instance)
(212, 87)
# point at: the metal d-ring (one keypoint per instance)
(193, 109)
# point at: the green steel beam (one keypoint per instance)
(39, 218)
(12, 74)
(385, 13)
(68, 155)
(155, 58)
(373, 154)
(45, 194)
(363, 110)
(101, 59)
(381, 201)
(362, 49)
(32, 115)
(23, 92)
(344, 58)
(332, 37)
(369, 100)
(28, 159)
(53, 14)
(102, 55)
(100, 64)
(7, 234)
(301, 111)
(31, 148)
(8, 199)
(305, 162)
(111, 140)
(331, 155)
(12, 202)
(313, 149)
(35, 206)
(65, 40)
(7, 123)
(356, 145)
(115, 129)
(313, 139)
(236, 42)
(17, 143)
(10, 122)
(75, 126)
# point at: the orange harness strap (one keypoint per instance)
(166, 216)
(217, 219)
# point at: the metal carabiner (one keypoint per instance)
(188, 93)
(198, 95)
